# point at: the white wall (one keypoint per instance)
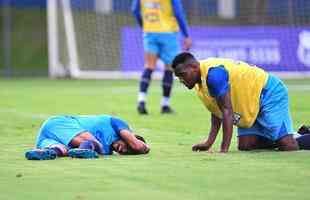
(226, 9)
(103, 6)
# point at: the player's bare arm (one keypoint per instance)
(133, 142)
(224, 103)
(207, 144)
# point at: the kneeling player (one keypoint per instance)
(238, 93)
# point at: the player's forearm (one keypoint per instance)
(215, 127)
(133, 142)
(128, 137)
(227, 130)
(211, 139)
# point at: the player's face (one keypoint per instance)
(120, 147)
(188, 77)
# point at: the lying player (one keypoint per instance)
(85, 136)
(241, 94)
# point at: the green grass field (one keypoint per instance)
(170, 171)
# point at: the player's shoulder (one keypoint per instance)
(217, 74)
(212, 59)
(213, 62)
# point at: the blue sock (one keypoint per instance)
(145, 80)
(304, 142)
(91, 145)
(87, 144)
(57, 150)
(167, 83)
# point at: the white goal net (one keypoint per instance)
(85, 39)
(100, 38)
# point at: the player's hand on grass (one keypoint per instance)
(224, 151)
(200, 147)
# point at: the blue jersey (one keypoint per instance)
(62, 129)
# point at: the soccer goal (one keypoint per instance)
(85, 39)
(96, 39)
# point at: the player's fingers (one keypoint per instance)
(194, 148)
(186, 47)
(187, 44)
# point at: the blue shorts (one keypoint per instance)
(164, 45)
(58, 130)
(274, 120)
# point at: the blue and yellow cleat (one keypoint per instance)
(82, 153)
(41, 154)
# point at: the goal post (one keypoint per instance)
(86, 51)
(97, 39)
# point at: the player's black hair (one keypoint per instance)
(140, 138)
(181, 58)
(133, 152)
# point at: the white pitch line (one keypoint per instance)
(293, 87)
(24, 114)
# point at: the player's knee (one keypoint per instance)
(150, 67)
(247, 143)
(289, 148)
(245, 147)
(288, 143)
(77, 140)
(61, 150)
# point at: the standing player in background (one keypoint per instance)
(246, 96)
(161, 21)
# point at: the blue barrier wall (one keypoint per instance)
(25, 3)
